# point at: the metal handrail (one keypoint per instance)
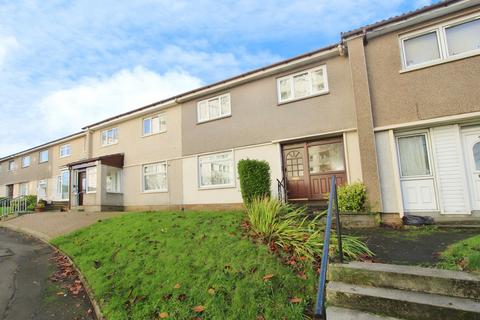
(333, 201)
(10, 206)
(282, 189)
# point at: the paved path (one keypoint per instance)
(25, 289)
(414, 246)
(48, 225)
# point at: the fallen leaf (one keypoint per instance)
(60, 293)
(199, 309)
(163, 315)
(295, 300)
(177, 286)
(268, 277)
(211, 291)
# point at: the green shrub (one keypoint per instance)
(254, 179)
(31, 202)
(352, 198)
(289, 228)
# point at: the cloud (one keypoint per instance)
(64, 64)
(66, 111)
(95, 99)
(216, 64)
(7, 44)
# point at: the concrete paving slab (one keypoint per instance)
(48, 225)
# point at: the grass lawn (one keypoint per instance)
(463, 255)
(148, 265)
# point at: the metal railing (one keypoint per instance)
(12, 206)
(282, 189)
(332, 208)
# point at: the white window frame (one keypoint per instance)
(12, 167)
(160, 129)
(166, 177)
(105, 142)
(292, 87)
(440, 30)
(120, 191)
(65, 147)
(40, 156)
(88, 173)
(20, 187)
(60, 185)
(429, 154)
(216, 186)
(29, 161)
(221, 116)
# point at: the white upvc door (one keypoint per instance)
(416, 173)
(448, 156)
(471, 140)
(42, 190)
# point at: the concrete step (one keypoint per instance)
(336, 313)
(413, 278)
(400, 303)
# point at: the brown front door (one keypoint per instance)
(309, 167)
(82, 179)
(296, 172)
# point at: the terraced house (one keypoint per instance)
(394, 105)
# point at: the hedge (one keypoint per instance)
(254, 179)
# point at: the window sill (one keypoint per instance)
(155, 191)
(229, 186)
(153, 134)
(112, 192)
(210, 120)
(109, 145)
(65, 156)
(303, 98)
(439, 62)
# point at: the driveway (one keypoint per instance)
(48, 225)
(26, 291)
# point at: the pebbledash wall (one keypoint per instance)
(435, 104)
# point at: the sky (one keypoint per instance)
(67, 64)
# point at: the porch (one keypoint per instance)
(308, 167)
(96, 184)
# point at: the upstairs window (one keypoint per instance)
(26, 161)
(154, 124)
(463, 37)
(214, 108)
(446, 41)
(421, 49)
(109, 136)
(65, 151)
(43, 156)
(11, 165)
(303, 84)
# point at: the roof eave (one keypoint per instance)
(418, 16)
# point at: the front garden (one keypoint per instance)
(185, 265)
